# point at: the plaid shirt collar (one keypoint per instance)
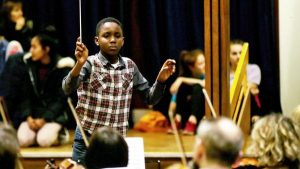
(107, 64)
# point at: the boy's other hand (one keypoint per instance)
(166, 71)
(81, 52)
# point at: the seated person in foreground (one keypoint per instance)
(219, 143)
(187, 97)
(9, 147)
(107, 149)
(275, 141)
(295, 115)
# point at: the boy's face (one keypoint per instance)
(110, 39)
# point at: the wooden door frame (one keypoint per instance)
(216, 49)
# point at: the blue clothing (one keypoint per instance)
(174, 96)
(79, 148)
(3, 46)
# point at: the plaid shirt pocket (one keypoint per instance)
(99, 81)
(126, 80)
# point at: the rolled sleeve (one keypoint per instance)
(70, 83)
(156, 92)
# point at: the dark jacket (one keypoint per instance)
(11, 80)
(27, 96)
(23, 36)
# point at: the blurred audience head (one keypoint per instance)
(218, 143)
(9, 146)
(275, 141)
(107, 148)
(295, 115)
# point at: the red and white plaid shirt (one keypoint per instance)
(104, 92)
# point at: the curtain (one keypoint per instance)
(155, 30)
(254, 21)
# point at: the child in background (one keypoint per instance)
(15, 25)
(33, 93)
(253, 76)
(187, 97)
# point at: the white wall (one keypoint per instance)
(289, 45)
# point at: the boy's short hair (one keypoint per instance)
(104, 20)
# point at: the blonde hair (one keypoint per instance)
(275, 140)
(295, 115)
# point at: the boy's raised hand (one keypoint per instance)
(166, 70)
(81, 52)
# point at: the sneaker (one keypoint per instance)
(189, 129)
(170, 129)
(64, 136)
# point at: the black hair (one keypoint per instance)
(7, 7)
(47, 38)
(104, 20)
(108, 148)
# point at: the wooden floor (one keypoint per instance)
(157, 146)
